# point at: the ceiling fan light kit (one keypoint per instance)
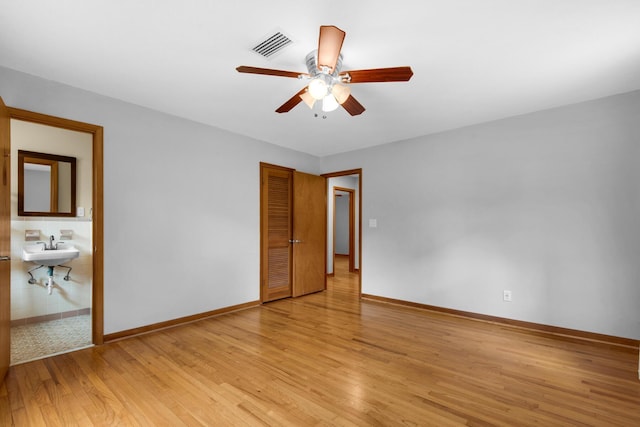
(327, 83)
(307, 99)
(329, 103)
(341, 92)
(318, 88)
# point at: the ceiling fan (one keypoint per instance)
(328, 83)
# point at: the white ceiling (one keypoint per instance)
(473, 60)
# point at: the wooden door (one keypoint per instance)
(5, 243)
(292, 233)
(276, 230)
(309, 233)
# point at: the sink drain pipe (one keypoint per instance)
(50, 280)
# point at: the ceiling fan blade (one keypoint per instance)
(292, 102)
(352, 106)
(329, 45)
(374, 75)
(269, 72)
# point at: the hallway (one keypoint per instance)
(343, 281)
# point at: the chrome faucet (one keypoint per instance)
(51, 243)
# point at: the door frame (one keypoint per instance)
(351, 237)
(5, 242)
(97, 132)
(359, 225)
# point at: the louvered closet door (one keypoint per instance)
(276, 253)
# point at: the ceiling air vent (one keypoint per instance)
(272, 44)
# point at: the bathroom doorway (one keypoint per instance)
(69, 314)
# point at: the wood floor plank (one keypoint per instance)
(5, 407)
(329, 359)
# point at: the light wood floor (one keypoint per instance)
(329, 359)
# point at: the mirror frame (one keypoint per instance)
(50, 159)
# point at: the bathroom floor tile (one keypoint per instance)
(38, 340)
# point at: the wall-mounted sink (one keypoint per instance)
(37, 254)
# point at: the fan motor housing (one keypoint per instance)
(312, 64)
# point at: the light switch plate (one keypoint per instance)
(80, 211)
(373, 223)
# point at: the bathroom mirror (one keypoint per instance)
(46, 184)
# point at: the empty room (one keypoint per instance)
(342, 213)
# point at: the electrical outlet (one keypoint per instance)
(506, 296)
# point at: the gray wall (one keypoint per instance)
(181, 220)
(546, 205)
(342, 225)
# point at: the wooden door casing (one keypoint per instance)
(5, 242)
(97, 220)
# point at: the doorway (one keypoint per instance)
(76, 299)
(344, 226)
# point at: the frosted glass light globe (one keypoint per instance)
(329, 103)
(318, 88)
